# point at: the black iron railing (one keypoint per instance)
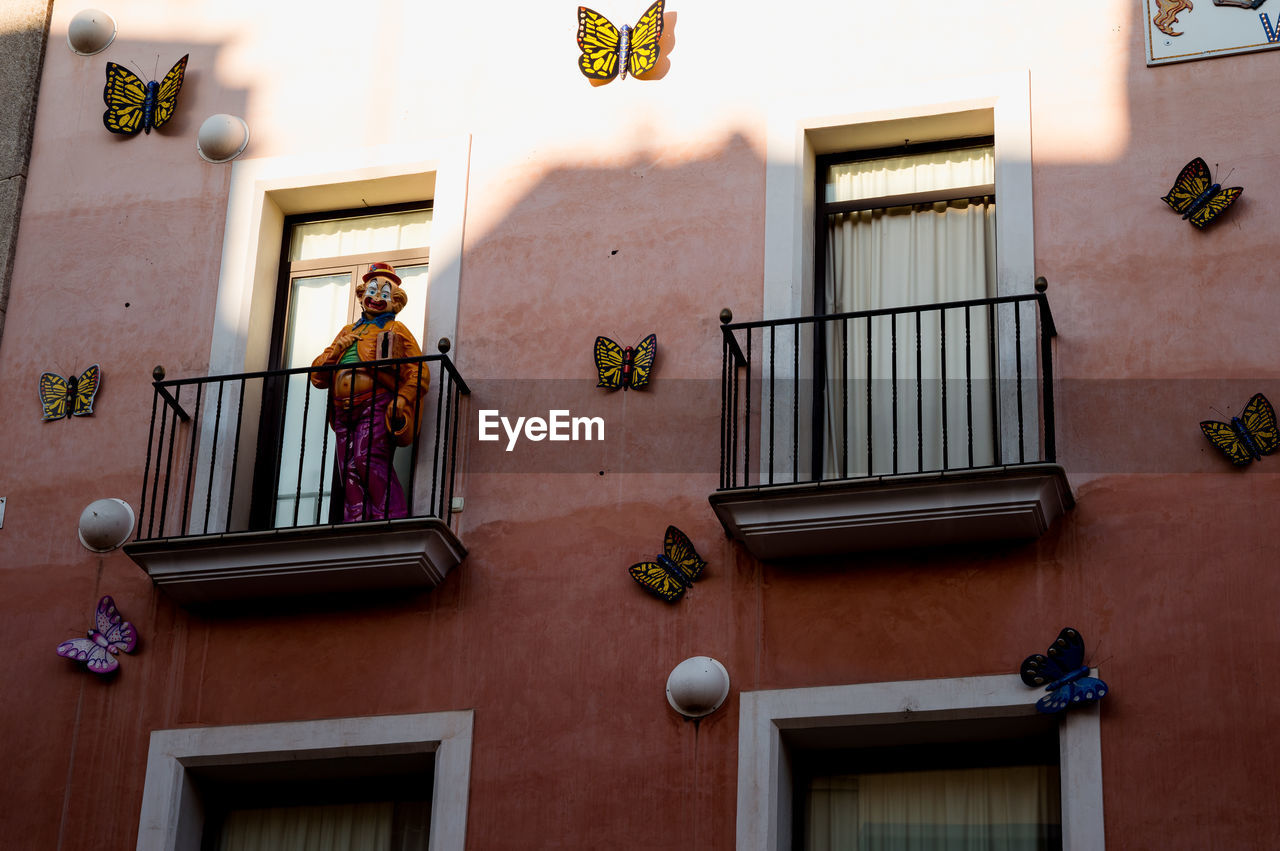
(255, 451)
(964, 385)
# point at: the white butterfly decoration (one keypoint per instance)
(99, 650)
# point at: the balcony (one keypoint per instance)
(880, 429)
(240, 476)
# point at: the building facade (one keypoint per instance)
(906, 464)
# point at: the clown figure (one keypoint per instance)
(373, 408)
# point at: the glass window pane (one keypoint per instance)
(360, 235)
(902, 175)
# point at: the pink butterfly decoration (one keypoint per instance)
(99, 650)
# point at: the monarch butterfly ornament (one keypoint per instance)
(678, 567)
(61, 397)
(1197, 197)
(627, 368)
(1247, 437)
(607, 50)
(133, 105)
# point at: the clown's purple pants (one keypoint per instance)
(370, 488)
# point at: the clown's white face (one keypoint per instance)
(377, 297)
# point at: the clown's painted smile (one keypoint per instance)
(377, 296)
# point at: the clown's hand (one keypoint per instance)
(400, 420)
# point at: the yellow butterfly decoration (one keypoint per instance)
(1247, 437)
(627, 368)
(133, 105)
(61, 397)
(1197, 197)
(676, 569)
(606, 50)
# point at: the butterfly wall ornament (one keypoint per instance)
(627, 368)
(1063, 674)
(133, 105)
(678, 567)
(1247, 437)
(1197, 197)
(112, 635)
(608, 51)
(61, 397)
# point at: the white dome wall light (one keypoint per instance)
(222, 138)
(105, 524)
(697, 687)
(91, 31)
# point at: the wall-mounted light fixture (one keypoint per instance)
(697, 686)
(91, 31)
(106, 524)
(222, 138)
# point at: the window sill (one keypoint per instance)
(894, 512)
(411, 553)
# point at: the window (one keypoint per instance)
(907, 226)
(802, 752)
(324, 258)
(393, 775)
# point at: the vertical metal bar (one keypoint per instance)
(942, 327)
(324, 454)
(235, 456)
(844, 398)
(725, 424)
(733, 442)
(795, 402)
(168, 471)
(446, 489)
(968, 380)
(870, 460)
(191, 459)
(919, 393)
(155, 488)
(213, 456)
(773, 349)
(453, 445)
(391, 456)
(413, 452)
(893, 379)
(437, 467)
(1017, 336)
(302, 446)
(994, 359)
(146, 472)
(1046, 366)
(746, 422)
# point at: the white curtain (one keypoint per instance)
(360, 235)
(895, 257)
(335, 827)
(1013, 808)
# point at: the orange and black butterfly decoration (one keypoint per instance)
(1247, 437)
(1197, 197)
(678, 567)
(627, 368)
(61, 397)
(133, 105)
(607, 50)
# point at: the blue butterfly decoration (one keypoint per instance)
(1066, 675)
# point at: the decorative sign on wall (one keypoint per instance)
(1247, 437)
(112, 635)
(606, 50)
(626, 368)
(1063, 674)
(72, 396)
(1197, 197)
(1182, 30)
(133, 105)
(676, 569)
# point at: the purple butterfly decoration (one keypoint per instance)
(99, 650)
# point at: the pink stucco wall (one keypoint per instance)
(1167, 563)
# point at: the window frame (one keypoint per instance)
(765, 783)
(172, 816)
